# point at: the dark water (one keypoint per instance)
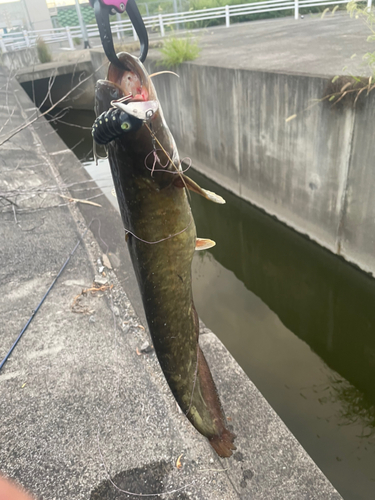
(299, 320)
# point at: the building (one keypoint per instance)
(24, 14)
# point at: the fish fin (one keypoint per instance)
(223, 444)
(193, 186)
(204, 244)
(220, 438)
(210, 195)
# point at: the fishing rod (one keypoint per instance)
(44, 297)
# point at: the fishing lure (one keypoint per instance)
(111, 124)
(123, 116)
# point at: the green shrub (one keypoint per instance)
(44, 54)
(368, 17)
(177, 50)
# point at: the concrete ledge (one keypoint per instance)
(18, 59)
(40, 71)
(80, 405)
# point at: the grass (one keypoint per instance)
(177, 50)
(43, 51)
(368, 17)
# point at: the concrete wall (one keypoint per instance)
(36, 82)
(315, 173)
(18, 59)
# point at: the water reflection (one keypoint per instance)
(301, 323)
(323, 300)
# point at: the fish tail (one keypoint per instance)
(222, 439)
(223, 444)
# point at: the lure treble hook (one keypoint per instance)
(102, 9)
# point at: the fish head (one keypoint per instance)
(132, 81)
(130, 89)
(105, 93)
(132, 78)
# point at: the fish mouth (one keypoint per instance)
(132, 79)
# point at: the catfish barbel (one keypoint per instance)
(161, 236)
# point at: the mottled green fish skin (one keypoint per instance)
(153, 208)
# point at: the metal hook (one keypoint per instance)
(102, 9)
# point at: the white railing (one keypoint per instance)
(158, 23)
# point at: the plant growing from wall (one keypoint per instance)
(368, 16)
(345, 90)
(350, 88)
(44, 54)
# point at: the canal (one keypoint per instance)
(299, 320)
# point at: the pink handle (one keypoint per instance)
(119, 5)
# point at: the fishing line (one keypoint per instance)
(163, 167)
(45, 296)
(96, 156)
(163, 239)
(166, 154)
(186, 159)
(156, 160)
(154, 138)
(161, 146)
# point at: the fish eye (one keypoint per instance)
(114, 93)
(125, 126)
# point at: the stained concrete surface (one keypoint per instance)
(81, 410)
(312, 45)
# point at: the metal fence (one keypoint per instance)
(157, 24)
